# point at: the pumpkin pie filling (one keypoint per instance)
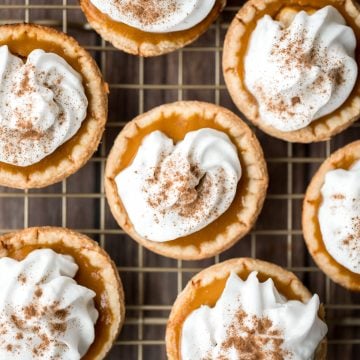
(176, 126)
(234, 64)
(206, 288)
(88, 275)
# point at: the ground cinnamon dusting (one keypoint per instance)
(147, 12)
(193, 189)
(292, 52)
(25, 86)
(28, 320)
(352, 241)
(30, 311)
(252, 337)
(21, 112)
(22, 279)
(38, 292)
(338, 196)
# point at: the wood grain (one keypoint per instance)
(151, 282)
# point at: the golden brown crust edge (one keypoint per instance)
(310, 223)
(253, 164)
(221, 271)
(92, 251)
(92, 127)
(145, 49)
(320, 130)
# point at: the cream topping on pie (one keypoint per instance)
(157, 16)
(301, 72)
(44, 313)
(42, 105)
(252, 320)
(173, 190)
(339, 216)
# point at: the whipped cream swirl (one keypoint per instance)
(157, 16)
(252, 320)
(339, 216)
(44, 313)
(302, 72)
(42, 105)
(170, 191)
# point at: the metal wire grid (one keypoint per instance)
(148, 278)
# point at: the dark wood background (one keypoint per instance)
(152, 282)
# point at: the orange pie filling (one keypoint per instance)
(129, 32)
(176, 128)
(87, 276)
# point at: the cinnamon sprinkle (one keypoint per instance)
(38, 292)
(292, 52)
(252, 337)
(338, 196)
(176, 178)
(23, 115)
(147, 12)
(28, 320)
(25, 86)
(22, 279)
(352, 241)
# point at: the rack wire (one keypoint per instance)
(152, 282)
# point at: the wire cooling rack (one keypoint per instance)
(152, 282)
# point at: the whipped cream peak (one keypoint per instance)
(339, 216)
(170, 191)
(157, 16)
(42, 105)
(302, 72)
(252, 319)
(44, 313)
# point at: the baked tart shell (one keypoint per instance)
(73, 154)
(137, 42)
(175, 120)
(206, 287)
(235, 48)
(342, 158)
(96, 272)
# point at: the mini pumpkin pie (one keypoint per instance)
(292, 66)
(186, 180)
(61, 296)
(331, 216)
(246, 309)
(53, 106)
(150, 28)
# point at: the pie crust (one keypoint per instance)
(96, 271)
(206, 287)
(235, 47)
(69, 157)
(342, 158)
(137, 42)
(175, 120)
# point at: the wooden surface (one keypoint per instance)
(151, 282)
